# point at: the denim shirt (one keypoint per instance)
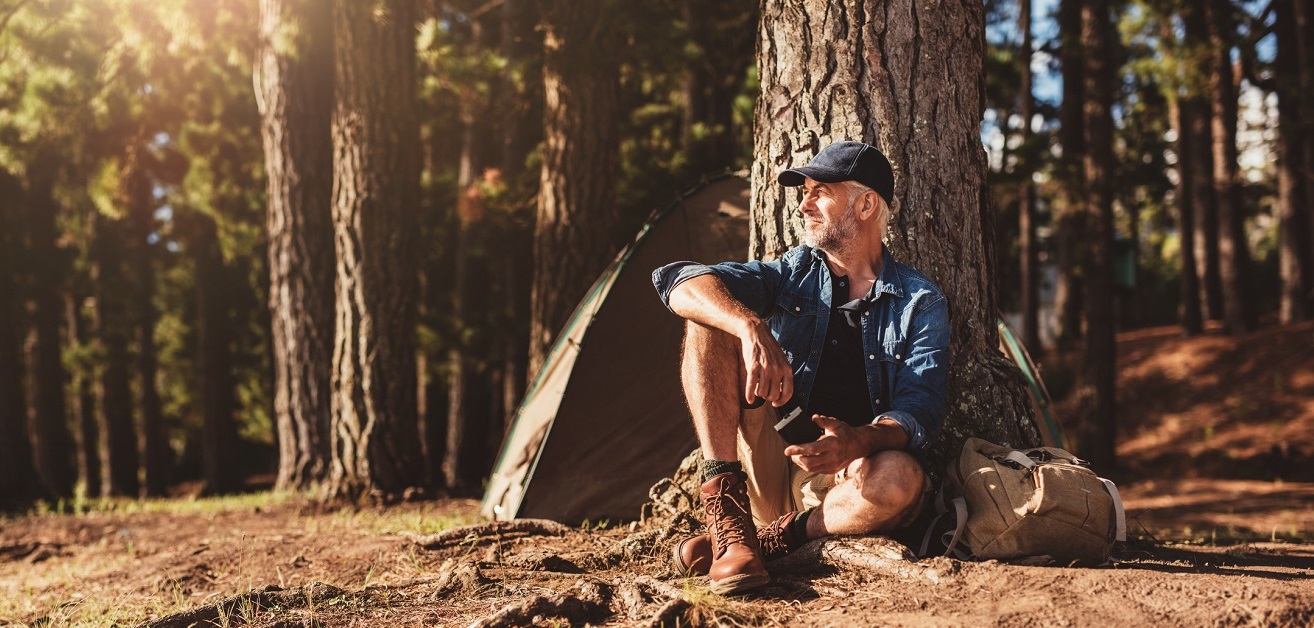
(905, 333)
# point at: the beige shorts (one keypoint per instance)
(775, 484)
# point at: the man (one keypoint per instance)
(836, 331)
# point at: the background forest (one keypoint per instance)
(287, 243)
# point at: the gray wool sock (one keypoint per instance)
(713, 468)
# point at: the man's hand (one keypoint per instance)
(768, 374)
(839, 445)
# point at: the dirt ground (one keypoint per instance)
(1216, 439)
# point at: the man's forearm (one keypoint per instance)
(881, 436)
(706, 301)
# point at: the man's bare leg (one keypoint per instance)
(712, 373)
(711, 370)
(876, 494)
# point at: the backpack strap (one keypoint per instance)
(1119, 513)
(960, 512)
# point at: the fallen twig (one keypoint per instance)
(482, 531)
(867, 554)
(671, 613)
(253, 600)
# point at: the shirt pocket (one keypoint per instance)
(795, 324)
(890, 358)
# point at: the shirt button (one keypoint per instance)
(878, 402)
(834, 342)
(796, 308)
(871, 357)
(866, 312)
(898, 357)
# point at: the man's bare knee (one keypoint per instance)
(892, 479)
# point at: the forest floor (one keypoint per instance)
(1216, 443)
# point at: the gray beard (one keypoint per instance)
(836, 237)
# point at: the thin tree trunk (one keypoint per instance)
(1233, 255)
(577, 188)
(1099, 367)
(294, 88)
(214, 362)
(375, 189)
(19, 481)
(114, 415)
(1070, 213)
(893, 74)
(1189, 308)
(1197, 108)
(1303, 16)
(1293, 206)
(54, 444)
(1028, 254)
(140, 222)
(83, 397)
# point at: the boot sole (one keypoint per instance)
(739, 584)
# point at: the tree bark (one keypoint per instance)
(294, 88)
(1097, 392)
(19, 481)
(112, 324)
(906, 77)
(577, 186)
(1026, 223)
(1197, 109)
(1233, 254)
(375, 188)
(1293, 205)
(1069, 215)
(53, 443)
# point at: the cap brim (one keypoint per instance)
(794, 177)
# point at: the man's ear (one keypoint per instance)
(871, 204)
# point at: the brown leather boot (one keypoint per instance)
(734, 563)
(693, 556)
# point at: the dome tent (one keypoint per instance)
(605, 418)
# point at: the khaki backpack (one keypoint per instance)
(1009, 503)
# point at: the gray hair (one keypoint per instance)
(855, 188)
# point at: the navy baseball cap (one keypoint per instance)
(846, 161)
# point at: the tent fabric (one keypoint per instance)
(605, 418)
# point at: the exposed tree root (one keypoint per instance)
(485, 532)
(672, 613)
(457, 578)
(242, 604)
(877, 555)
(588, 600)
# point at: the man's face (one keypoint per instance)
(829, 219)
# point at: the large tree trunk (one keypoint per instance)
(214, 361)
(1197, 109)
(112, 324)
(375, 188)
(1026, 210)
(294, 86)
(1097, 392)
(1233, 255)
(1293, 206)
(1190, 315)
(1069, 215)
(1303, 16)
(54, 444)
(18, 478)
(577, 190)
(906, 77)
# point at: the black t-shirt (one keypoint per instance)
(840, 389)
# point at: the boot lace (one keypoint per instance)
(729, 519)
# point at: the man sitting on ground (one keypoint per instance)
(836, 331)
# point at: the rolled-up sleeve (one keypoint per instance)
(918, 400)
(755, 284)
